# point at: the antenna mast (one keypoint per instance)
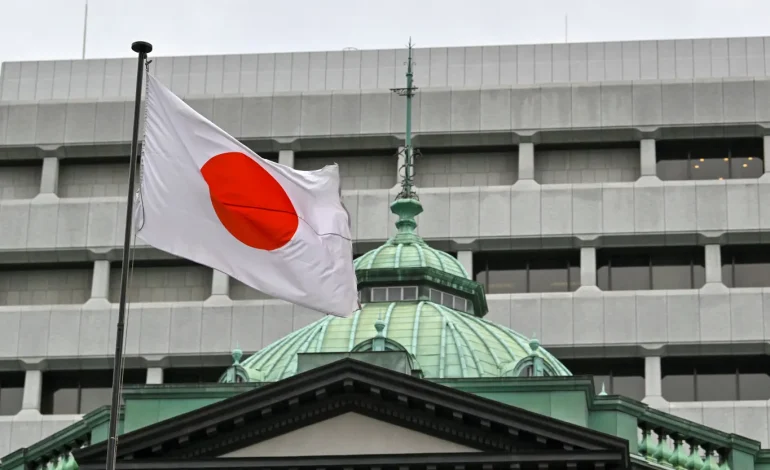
(85, 30)
(407, 187)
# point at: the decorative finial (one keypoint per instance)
(379, 325)
(237, 355)
(534, 344)
(407, 205)
(603, 393)
(407, 184)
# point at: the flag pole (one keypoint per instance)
(142, 48)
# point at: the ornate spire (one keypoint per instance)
(407, 206)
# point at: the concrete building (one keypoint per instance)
(610, 197)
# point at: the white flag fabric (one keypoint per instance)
(208, 198)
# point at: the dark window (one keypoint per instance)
(396, 294)
(645, 269)
(193, 375)
(11, 392)
(520, 272)
(710, 159)
(716, 378)
(619, 376)
(746, 265)
(82, 391)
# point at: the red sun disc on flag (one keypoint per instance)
(249, 202)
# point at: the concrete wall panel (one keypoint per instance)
(609, 319)
(434, 67)
(441, 111)
(561, 210)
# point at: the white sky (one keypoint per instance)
(52, 29)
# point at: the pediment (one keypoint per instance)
(351, 414)
(349, 434)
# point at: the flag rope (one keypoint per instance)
(130, 265)
(132, 248)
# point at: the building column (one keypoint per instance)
(648, 159)
(587, 270)
(220, 283)
(286, 157)
(220, 288)
(100, 284)
(713, 257)
(766, 156)
(154, 376)
(49, 179)
(526, 161)
(653, 378)
(33, 391)
(466, 259)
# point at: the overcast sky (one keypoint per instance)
(53, 29)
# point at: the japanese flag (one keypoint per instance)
(206, 197)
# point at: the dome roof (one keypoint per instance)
(445, 343)
(410, 252)
(414, 299)
(407, 249)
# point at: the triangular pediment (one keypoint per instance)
(347, 411)
(349, 434)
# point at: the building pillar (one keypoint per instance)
(286, 157)
(713, 258)
(220, 289)
(220, 283)
(653, 377)
(33, 391)
(526, 161)
(154, 376)
(49, 179)
(648, 160)
(466, 259)
(766, 156)
(588, 267)
(100, 284)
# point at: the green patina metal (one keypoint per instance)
(402, 252)
(473, 347)
(54, 452)
(666, 441)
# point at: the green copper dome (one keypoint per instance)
(445, 343)
(410, 253)
(420, 300)
(408, 250)
(414, 299)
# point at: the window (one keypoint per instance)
(527, 371)
(620, 376)
(193, 375)
(388, 294)
(407, 293)
(746, 265)
(79, 392)
(11, 392)
(659, 268)
(716, 378)
(710, 159)
(520, 272)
